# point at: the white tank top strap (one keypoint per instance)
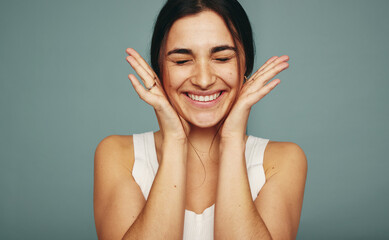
(255, 149)
(145, 161)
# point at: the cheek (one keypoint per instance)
(230, 74)
(175, 76)
(172, 80)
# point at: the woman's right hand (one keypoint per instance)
(170, 123)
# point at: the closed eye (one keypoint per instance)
(182, 62)
(222, 59)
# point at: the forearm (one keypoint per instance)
(163, 214)
(236, 216)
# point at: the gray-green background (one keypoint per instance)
(64, 88)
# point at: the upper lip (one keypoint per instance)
(203, 93)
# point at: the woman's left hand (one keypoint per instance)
(253, 90)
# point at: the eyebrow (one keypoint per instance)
(190, 52)
(180, 51)
(222, 48)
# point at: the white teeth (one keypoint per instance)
(204, 98)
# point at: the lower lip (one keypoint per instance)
(207, 104)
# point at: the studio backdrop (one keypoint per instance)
(64, 87)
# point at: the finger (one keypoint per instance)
(254, 97)
(270, 60)
(269, 87)
(147, 79)
(259, 83)
(140, 90)
(265, 77)
(273, 67)
(283, 58)
(141, 61)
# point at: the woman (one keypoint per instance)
(200, 176)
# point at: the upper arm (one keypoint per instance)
(280, 200)
(117, 199)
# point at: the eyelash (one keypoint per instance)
(217, 59)
(182, 62)
(223, 59)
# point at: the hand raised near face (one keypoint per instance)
(253, 90)
(171, 124)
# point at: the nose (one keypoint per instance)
(204, 76)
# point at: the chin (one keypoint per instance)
(204, 124)
(205, 121)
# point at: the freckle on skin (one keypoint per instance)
(175, 186)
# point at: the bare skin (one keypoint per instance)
(120, 217)
(200, 60)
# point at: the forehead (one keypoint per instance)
(203, 30)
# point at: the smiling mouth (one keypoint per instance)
(204, 98)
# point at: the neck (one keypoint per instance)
(202, 138)
(204, 144)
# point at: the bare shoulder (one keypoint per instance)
(115, 149)
(284, 155)
(280, 199)
(117, 199)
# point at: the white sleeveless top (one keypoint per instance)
(196, 226)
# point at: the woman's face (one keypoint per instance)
(200, 68)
